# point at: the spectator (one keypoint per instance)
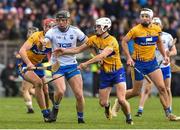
(8, 77)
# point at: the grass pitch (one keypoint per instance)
(13, 116)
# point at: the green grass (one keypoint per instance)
(13, 115)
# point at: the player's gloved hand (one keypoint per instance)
(166, 60)
(130, 61)
(82, 66)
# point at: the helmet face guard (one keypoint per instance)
(104, 23)
(48, 23)
(63, 14)
(147, 11)
(32, 30)
(156, 20)
(62, 17)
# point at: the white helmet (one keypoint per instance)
(157, 20)
(147, 11)
(104, 22)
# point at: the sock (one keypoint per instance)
(107, 105)
(171, 108)
(48, 110)
(80, 115)
(29, 104)
(45, 113)
(128, 117)
(140, 110)
(168, 111)
(56, 105)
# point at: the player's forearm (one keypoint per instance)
(125, 48)
(75, 50)
(24, 56)
(161, 49)
(97, 58)
(173, 51)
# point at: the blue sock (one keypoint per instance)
(128, 117)
(168, 111)
(48, 110)
(140, 109)
(80, 115)
(45, 113)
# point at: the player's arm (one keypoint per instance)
(172, 49)
(107, 51)
(126, 50)
(161, 48)
(68, 51)
(23, 53)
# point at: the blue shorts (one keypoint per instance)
(166, 71)
(111, 78)
(20, 64)
(145, 68)
(63, 70)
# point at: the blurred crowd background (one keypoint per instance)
(16, 16)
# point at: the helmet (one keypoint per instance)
(157, 20)
(31, 30)
(147, 11)
(49, 22)
(104, 22)
(63, 14)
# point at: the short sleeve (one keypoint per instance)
(90, 41)
(131, 33)
(170, 43)
(49, 34)
(80, 35)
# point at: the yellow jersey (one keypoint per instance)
(112, 62)
(36, 54)
(145, 40)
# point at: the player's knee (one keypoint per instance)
(79, 97)
(60, 92)
(162, 89)
(102, 103)
(147, 91)
(121, 101)
(136, 93)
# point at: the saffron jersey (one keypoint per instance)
(145, 40)
(36, 54)
(112, 62)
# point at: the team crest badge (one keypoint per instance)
(71, 37)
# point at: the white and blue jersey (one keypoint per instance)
(167, 41)
(66, 39)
